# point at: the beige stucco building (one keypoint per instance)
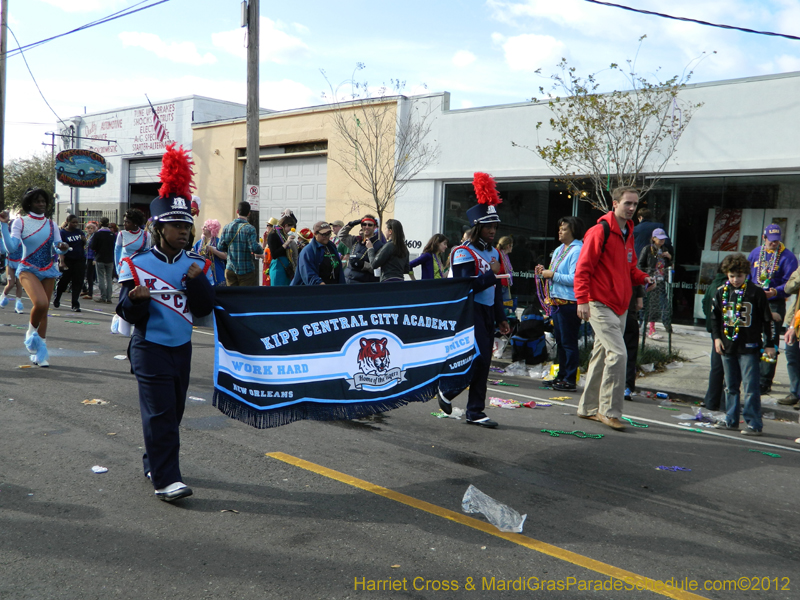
(297, 167)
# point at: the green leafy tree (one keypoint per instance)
(615, 138)
(382, 142)
(23, 173)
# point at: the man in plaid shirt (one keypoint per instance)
(240, 240)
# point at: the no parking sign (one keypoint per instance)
(253, 194)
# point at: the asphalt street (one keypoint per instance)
(372, 508)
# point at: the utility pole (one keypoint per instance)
(3, 51)
(253, 146)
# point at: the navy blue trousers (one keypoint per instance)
(566, 324)
(163, 376)
(484, 338)
(631, 337)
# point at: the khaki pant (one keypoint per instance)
(247, 279)
(605, 380)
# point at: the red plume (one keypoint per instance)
(176, 173)
(485, 189)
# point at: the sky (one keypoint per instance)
(484, 52)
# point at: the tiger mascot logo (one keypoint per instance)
(373, 357)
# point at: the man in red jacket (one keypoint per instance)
(604, 281)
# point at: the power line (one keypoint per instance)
(34, 78)
(112, 17)
(658, 14)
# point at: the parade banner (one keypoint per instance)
(340, 351)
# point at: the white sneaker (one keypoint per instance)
(18, 307)
(3, 300)
(174, 491)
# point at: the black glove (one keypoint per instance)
(354, 223)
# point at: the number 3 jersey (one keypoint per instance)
(165, 319)
(754, 320)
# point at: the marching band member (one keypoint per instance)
(477, 257)
(40, 239)
(160, 349)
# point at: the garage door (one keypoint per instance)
(296, 183)
(144, 171)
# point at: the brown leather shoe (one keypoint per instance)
(590, 417)
(612, 422)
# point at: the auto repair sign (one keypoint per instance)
(81, 168)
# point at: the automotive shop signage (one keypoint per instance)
(81, 168)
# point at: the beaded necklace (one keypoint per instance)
(507, 267)
(732, 309)
(545, 286)
(765, 267)
(554, 264)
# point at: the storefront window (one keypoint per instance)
(707, 218)
(529, 213)
(718, 216)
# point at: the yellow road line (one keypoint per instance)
(516, 538)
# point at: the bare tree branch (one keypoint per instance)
(381, 146)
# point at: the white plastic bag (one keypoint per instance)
(518, 368)
(499, 346)
(501, 516)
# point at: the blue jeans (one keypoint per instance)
(793, 366)
(743, 369)
(566, 324)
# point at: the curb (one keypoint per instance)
(786, 413)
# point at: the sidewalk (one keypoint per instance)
(689, 381)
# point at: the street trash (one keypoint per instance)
(704, 415)
(517, 368)
(675, 365)
(669, 403)
(503, 403)
(663, 395)
(497, 370)
(768, 415)
(197, 398)
(94, 401)
(577, 433)
(501, 382)
(99, 469)
(684, 417)
(120, 357)
(91, 352)
(560, 398)
(648, 368)
(499, 347)
(772, 454)
(769, 399)
(663, 468)
(537, 372)
(501, 516)
(26, 366)
(456, 414)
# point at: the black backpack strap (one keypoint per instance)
(606, 234)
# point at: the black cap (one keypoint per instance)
(171, 209)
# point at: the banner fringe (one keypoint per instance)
(276, 417)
